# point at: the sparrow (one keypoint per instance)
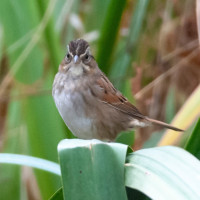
(87, 101)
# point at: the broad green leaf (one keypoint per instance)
(193, 144)
(58, 195)
(92, 169)
(164, 173)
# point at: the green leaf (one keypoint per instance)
(164, 173)
(50, 36)
(126, 138)
(1, 42)
(30, 161)
(129, 50)
(23, 160)
(13, 143)
(93, 168)
(45, 129)
(186, 116)
(10, 174)
(136, 24)
(108, 33)
(170, 105)
(193, 143)
(58, 195)
(97, 10)
(18, 22)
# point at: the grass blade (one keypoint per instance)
(129, 50)
(193, 144)
(50, 35)
(108, 33)
(187, 115)
(17, 159)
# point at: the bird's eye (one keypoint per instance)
(68, 57)
(87, 58)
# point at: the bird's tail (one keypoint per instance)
(163, 124)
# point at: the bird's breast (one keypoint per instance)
(70, 104)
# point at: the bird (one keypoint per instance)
(89, 104)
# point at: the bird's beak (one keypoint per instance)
(76, 58)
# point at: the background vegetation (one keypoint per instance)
(149, 50)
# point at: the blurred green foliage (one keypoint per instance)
(33, 39)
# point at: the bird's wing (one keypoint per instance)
(114, 98)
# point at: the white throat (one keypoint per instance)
(76, 70)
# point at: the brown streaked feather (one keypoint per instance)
(114, 98)
(78, 47)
